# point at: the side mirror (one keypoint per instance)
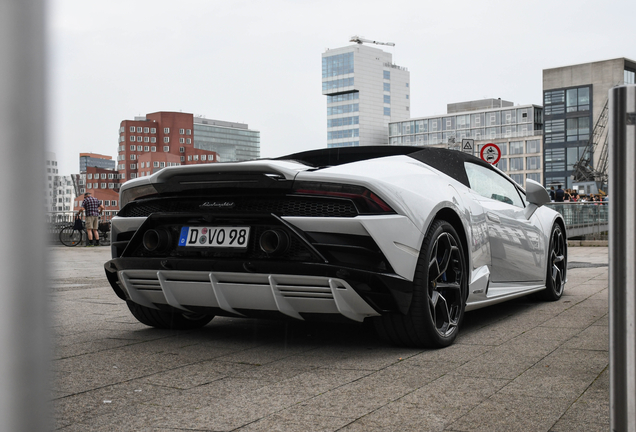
(536, 193)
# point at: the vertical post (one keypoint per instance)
(24, 338)
(622, 257)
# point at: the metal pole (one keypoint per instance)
(622, 257)
(24, 338)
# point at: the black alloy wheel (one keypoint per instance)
(440, 290)
(557, 266)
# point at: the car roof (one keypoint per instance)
(450, 162)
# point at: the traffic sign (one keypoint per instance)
(490, 153)
(468, 145)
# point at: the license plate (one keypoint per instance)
(235, 237)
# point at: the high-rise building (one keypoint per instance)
(515, 130)
(365, 91)
(575, 102)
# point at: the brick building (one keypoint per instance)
(158, 140)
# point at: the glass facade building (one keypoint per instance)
(365, 91)
(232, 141)
(515, 130)
(574, 99)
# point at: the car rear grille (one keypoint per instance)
(288, 206)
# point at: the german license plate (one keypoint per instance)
(235, 237)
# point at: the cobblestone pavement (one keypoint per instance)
(520, 366)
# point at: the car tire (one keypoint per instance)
(167, 320)
(557, 266)
(440, 289)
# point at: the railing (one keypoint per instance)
(58, 220)
(584, 219)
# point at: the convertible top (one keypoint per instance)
(450, 162)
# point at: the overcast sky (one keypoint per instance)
(259, 62)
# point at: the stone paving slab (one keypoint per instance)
(519, 366)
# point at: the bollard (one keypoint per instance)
(24, 337)
(622, 257)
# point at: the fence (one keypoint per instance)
(584, 219)
(57, 221)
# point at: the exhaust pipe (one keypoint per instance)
(274, 242)
(156, 240)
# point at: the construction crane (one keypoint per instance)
(584, 170)
(359, 40)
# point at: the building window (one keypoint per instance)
(153, 130)
(188, 131)
(140, 148)
(387, 75)
(89, 185)
(146, 148)
(133, 175)
(146, 139)
(196, 157)
(181, 149)
(111, 185)
(578, 129)
(140, 139)
(181, 140)
(89, 176)
(578, 99)
(343, 109)
(387, 111)
(188, 141)
(554, 160)
(139, 129)
(533, 146)
(103, 175)
(189, 157)
(111, 176)
(166, 130)
(166, 148)
(387, 87)
(166, 139)
(132, 137)
(387, 99)
(143, 165)
(339, 64)
(133, 166)
(517, 178)
(103, 185)
(516, 164)
(155, 164)
(182, 158)
(133, 157)
(113, 203)
(181, 131)
(516, 147)
(146, 130)
(153, 139)
(162, 164)
(533, 162)
(534, 176)
(153, 149)
(132, 129)
(203, 157)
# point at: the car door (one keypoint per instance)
(515, 240)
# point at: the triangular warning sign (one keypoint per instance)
(468, 144)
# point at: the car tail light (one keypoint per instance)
(365, 201)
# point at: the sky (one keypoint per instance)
(259, 62)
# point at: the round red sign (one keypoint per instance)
(490, 153)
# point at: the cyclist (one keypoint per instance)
(93, 208)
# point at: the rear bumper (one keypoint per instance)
(240, 288)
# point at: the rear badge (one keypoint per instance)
(217, 205)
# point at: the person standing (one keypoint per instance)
(92, 207)
(559, 194)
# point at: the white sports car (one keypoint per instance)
(408, 237)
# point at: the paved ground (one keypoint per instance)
(521, 366)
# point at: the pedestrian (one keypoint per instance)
(559, 194)
(93, 208)
(552, 193)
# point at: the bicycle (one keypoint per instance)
(72, 236)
